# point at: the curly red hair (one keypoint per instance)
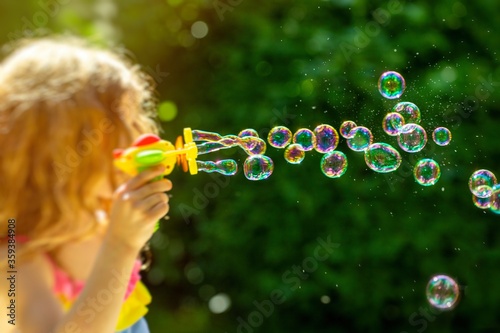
(64, 107)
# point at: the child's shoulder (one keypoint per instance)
(34, 265)
(27, 289)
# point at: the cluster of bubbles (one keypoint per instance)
(403, 122)
(324, 139)
(442, 292)
(256, 166)
(485, 190)
(379, 157)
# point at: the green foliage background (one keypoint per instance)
(300, 63)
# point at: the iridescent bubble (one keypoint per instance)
(294, 153)
(482, 203)
(334, 164)
(327, 138)
(393, 123)
(412, 138)
(409, 111)
(494, 199)
(279, 137)
(258, 148)
(382, 158)
(305, 137)
(442, 292)
(248, 132)
(391, 85)
(407, 128)
(481, 183)
(225, 167)
(258, 167)
(441, 136)
(427, 172)
(346, 128)
(360, 138)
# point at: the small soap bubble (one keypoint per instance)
(391, 85)
(294, 153)
(258, 148)
(407, 128)
(346, 128)
(481, 183)
(258, 167)
(412, 138)
(442, 292)
(427, 172)
(382, 157)
(327, 138)
(279, 137)
(482, 203)
(248, 132)
(495, 199)
(360, 138)
(306, 138)
(409, 111)
(441, 136)
(393, 123)
(334, 164)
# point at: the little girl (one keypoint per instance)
(71, 225)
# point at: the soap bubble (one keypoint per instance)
(481, 183)
(334, 164)
(327, 138)
(427, 172)
(294, 153)
(409, 111)
(495, 199)
(305, 137)
(393, 123)
(442, 292)
(248, 132)
(360, 138)
(482, 203)
(258, 167)
(441, 136)
(279, 137)
(391, 85)
(256, 147)
(407, 128)
(346, 128)
(412, 138)
(382, 158)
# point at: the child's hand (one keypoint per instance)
(137, 205)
